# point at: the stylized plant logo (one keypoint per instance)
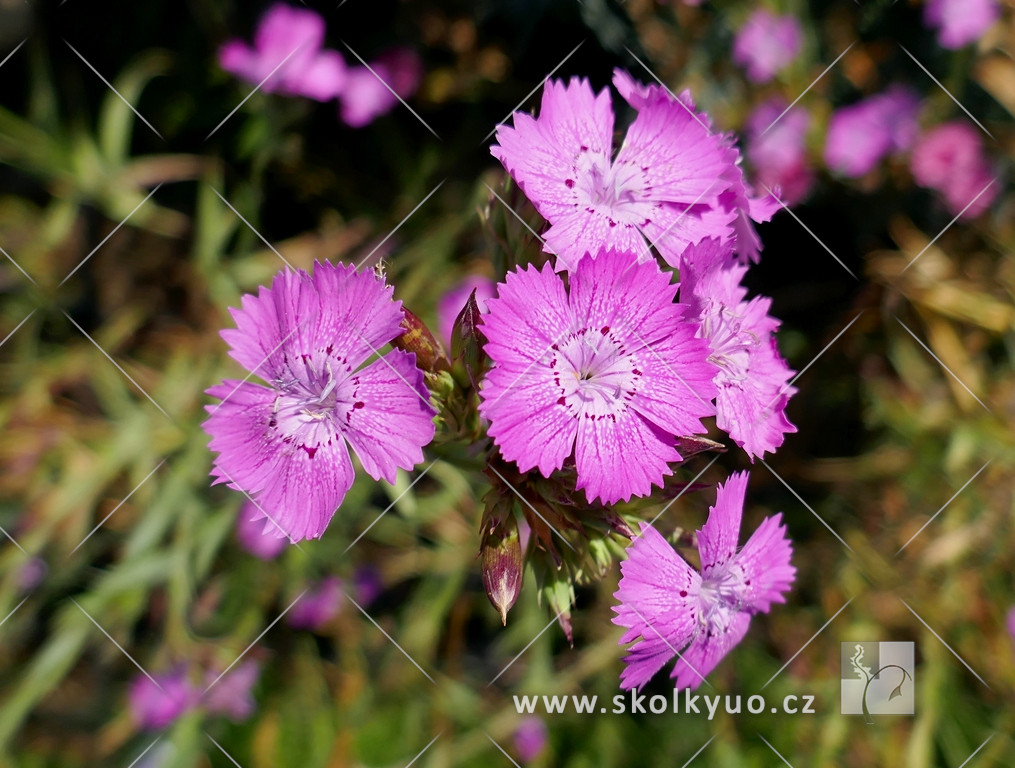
(864, 673)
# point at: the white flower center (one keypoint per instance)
(317, 403)
(731, 343)
(594, 373)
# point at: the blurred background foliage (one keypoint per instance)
(915, 398)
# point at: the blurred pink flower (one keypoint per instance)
(255, 533)
(855, 142)
(369, 94)
(156, 702)
(862, 134)
(287, 47)
(943, 151)
(779, 154)
(1011, 622)
(899, 107)
(32, 574)
(367, 584)
(318, 606)
(766, 44)
(231, 696)
(452, 302)
(530, 739)
(960, 22)
(950, 159)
